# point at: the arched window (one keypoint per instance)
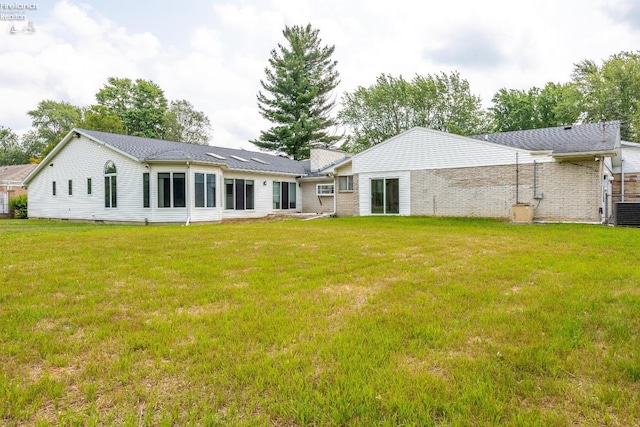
(110, 185)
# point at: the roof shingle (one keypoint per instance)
(588, 137)
(150, 150)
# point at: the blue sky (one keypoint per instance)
(213, 52)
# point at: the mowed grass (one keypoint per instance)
(354, 321)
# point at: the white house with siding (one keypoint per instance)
(106, 177)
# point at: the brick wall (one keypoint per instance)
(631, 187)
(571, 191)
(310, 201)
(345, 202)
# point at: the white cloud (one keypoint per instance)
(218, 67)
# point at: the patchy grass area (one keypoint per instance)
(356, 321)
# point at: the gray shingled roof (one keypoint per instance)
(589, 137)
(150, 150)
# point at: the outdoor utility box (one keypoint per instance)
(522, 213)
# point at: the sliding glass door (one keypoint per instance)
(385, 196)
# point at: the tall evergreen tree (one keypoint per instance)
(297, 98)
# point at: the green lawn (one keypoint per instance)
(354, 321)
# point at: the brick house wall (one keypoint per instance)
(311, 203)
(571, 191)
(8, 192)
(631, 187)
(345, 201)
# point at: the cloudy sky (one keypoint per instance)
(213, 52)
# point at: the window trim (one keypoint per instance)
(234, 196)
(146, 190)
(110, 185)
(327, 186)
(172, 191)
(209, 188)
(287, 195)
(385, 201)
(349, 184)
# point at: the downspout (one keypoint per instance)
(535, 188)
(603, 202)
(186, 193)
(621, 173)
(335, 195)
(517, 181)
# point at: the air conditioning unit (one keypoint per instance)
(627, 214)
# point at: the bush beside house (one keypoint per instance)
(18, 207)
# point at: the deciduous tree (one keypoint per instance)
(611, 91)
(97, 117)
(140, 105)
(11, 152)
(52, 120)
(183, 123)
(554, 105)
(392, 105)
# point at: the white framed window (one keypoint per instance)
(284, 195)
(345, 183)
(324, 189)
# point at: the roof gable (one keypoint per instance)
(421, 148)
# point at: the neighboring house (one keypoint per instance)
(107, 177)
(626, 185)
(564, 173)
(11, 178)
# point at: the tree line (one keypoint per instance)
(301, 75)
(297, 98)
(123, 106)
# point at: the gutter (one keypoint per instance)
(584, 154)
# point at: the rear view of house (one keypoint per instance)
(560, 174)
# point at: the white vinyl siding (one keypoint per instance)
(78, 161)
(404, 188)
(420, 148)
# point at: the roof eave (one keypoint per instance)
(584, 155)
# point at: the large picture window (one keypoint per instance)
(385, 196)
(171, 190)
(284, 195)
(205, 190)
(239, 194)
(110, 185)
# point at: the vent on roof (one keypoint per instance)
(260, 161)
(217, 156)
(568, 127)
(239, 158)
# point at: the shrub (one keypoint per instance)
(18, 205)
